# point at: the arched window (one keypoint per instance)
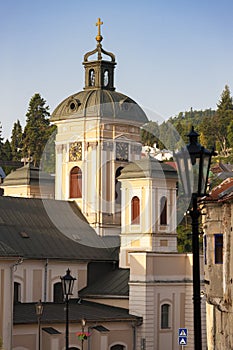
(135, 211)
(76, 182)
(163, 211)
(91, 77)
(165, 316)
(17, 292)
(118, 185)
(117, 347)
(57, 293)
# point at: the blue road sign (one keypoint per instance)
(183, 340)
(183, 332)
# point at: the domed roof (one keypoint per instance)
(26, 175)
(99, 98)
(148, 168)
(100, 103)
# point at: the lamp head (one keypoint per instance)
(67, 283)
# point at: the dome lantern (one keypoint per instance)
(99, 73)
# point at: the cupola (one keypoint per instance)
(99, 73)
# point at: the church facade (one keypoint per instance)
(115, 214)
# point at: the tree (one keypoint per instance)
(150, 134)
(222, 120)
(16, 141)
(7, 155)
(37, 129)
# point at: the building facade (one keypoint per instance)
(218, 263)
(113, 223)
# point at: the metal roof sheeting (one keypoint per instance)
(49, 227)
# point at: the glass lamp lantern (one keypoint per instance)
(193, 162)
(67, 283)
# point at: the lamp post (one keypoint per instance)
(193, 162)
(83, 329)
(39, 311)
(67, 288)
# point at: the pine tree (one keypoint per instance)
(16, 141)
(7, 156)
(7, 153)
(37, 131)
(222, 120)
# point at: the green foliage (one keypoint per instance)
(222, 120)
(16, 141)
(48, 159)
(199, 119)
(184, 239)
(7, 155)
(37, 129)
(150, 134)
(163, 135)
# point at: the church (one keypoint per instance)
(112, 224)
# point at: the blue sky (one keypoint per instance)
(171, 54)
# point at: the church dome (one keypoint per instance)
(99, 98)
(102, 103)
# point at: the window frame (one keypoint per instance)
(205, 249)
(218, 249)
(58, 296)
(165, 323)
(76, 171)
(17, 292)
(135, 210)
(163, 211)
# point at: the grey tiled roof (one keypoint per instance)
(24, 313)
(113, 284)
(6, 251)
(39, 228)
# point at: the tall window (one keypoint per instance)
(118, 186)
(165, 316)
(135, 211)
(163, 211)
(57, 293)
(205, 249)
(218, 248)
(17, 292)
(91, 77)
(76, 182)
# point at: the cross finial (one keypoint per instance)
(99, 37)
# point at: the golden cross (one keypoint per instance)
(98, 24)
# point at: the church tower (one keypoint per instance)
(98, 134)
(148, 208)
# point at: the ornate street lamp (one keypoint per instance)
(67, 282)
(39, 311)
(193, 162)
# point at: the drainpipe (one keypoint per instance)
(45, 279)
(13, 268)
